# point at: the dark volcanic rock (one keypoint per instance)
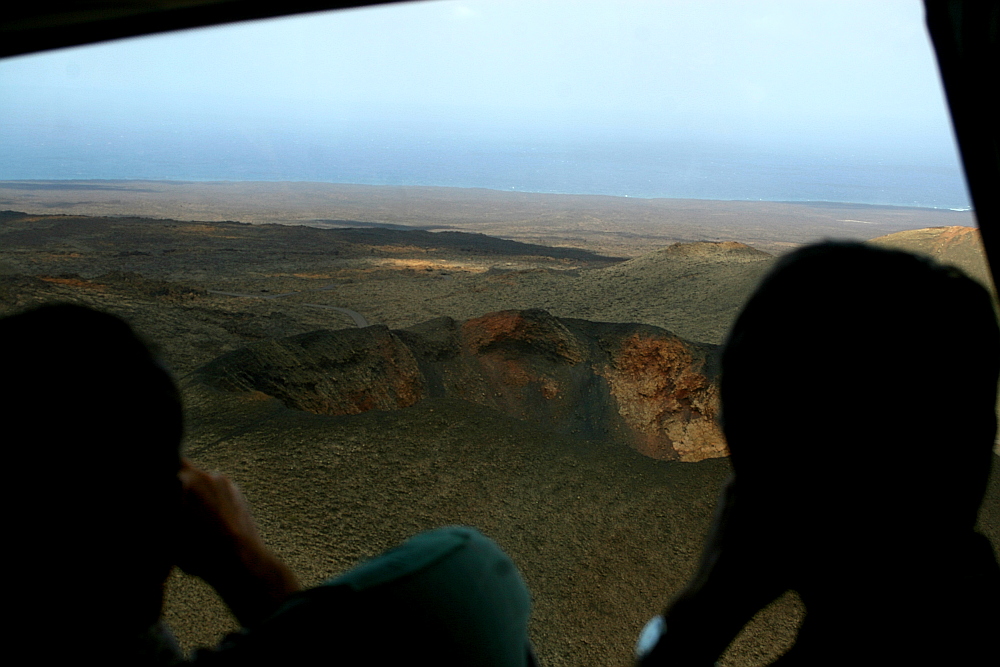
(139, 284)
(628, 382)
(343, 372)
(527, 364)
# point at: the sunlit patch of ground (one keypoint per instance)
(58, 256)
(203, 230)
(74, 282)
(46, 218)
(409, 248)
(431, 265)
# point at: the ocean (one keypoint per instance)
(630, 168)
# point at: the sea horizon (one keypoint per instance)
(888, 175)
(11, 183)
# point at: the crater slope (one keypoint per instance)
(604, 535)
(628, 383)
(955, 246)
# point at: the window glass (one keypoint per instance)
(522, 223)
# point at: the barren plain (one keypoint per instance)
(603, 535)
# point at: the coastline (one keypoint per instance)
(620, 226)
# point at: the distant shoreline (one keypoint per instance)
(95, 184)
(608, 225)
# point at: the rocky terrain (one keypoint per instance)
(559, 399)
(618, 226)
(628, 383)
(955, 246)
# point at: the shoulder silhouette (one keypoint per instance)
(858, 390)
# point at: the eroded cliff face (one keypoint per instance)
(659, 386)
(631, 383)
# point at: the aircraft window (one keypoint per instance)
(512, 219)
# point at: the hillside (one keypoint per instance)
(956, 246)
(619, 383)
(693, 290)
(462, 404)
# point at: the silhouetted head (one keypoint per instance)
(93, 429)
(859, 384)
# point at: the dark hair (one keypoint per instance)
(855, 374)
(94, 426)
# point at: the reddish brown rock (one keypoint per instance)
(532, 331)
(659, 385)
(630, 383)
(520, 362)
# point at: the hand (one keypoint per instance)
(216, 523)
(731, 584)
(220, 543)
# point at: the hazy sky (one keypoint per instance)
(850, 73)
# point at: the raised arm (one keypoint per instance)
(733, 582)
(219, 542)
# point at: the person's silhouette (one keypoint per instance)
(101, 506)
(858, 393)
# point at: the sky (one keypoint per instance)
(840, 75)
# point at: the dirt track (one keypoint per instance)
(358, 318)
